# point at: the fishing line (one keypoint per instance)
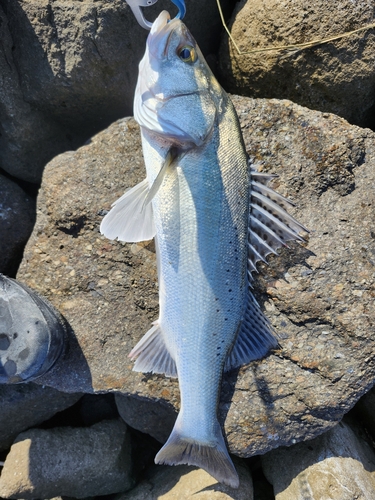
(304, 45)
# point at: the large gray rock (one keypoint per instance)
(28, 138)
(339, 465)
(17, 217)
(27, 405)
(335, 77)
(67, 461)
(69, 69)
(318, 296)
(184, 482)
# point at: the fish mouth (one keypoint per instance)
(161, 31)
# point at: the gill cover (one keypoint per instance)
(176, 94)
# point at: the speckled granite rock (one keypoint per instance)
(17, 217)
(339, 465)
(183, 482)
(27, 405)
(74, 462)
(319, 296)
(336, 77)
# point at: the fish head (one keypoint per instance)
(177, 96)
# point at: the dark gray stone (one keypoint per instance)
(156, 419)
(74, 462)
(318, 296)
(28, 137)
(27, 405)
(17, 218)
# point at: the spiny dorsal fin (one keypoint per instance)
(270, 225)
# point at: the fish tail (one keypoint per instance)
(213, 457)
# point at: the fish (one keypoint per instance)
(213, 217)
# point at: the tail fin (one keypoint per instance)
(213, 458)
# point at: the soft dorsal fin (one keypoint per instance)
(130, 219)
(270, 225)
(254, 339)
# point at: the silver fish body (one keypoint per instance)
(211, 218)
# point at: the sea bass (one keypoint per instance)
(213, 219)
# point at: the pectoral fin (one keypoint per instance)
(130, 219)
(165, 169)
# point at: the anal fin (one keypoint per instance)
(255, 337)
(152, 355)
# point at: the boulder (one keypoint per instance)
(335, 77)
(70, 68)
(74, 462)
(28, 405)
(318, 296)
(17, 217)
(182, 481)
(339, 465)
(28, 138)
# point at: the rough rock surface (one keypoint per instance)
(17, 217)
(339, 465)
(67, 461)
(28, 138)
(319, 296)
(183, 482)
(69, 69)
(28, 405)
(336, 77)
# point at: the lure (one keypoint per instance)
(136, 5)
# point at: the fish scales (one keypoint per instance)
(213, 218)
(201, 217)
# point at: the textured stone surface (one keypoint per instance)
(156, 419)
(74, 462)
(28, 405)
(336, 77)
(183, 482)
(69, 69)
(319, 296)
(17, 217)
(28, 138)
(338, 465)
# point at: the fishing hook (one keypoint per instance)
(136, 5)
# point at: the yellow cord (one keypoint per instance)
(304, 45)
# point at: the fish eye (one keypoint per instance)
(187, 54)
